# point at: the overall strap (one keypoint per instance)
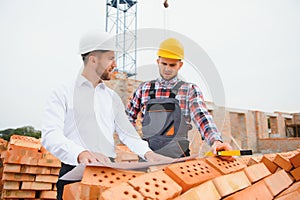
(175, 89)
(152, 90)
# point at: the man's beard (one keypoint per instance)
(105, 76)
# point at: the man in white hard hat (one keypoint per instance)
(80, 119)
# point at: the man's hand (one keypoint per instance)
(219, 146)
(88, 157)
(155, 157)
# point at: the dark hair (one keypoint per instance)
(86, 54)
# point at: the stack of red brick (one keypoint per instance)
(29, 170)
(272, 176)
(3, 146)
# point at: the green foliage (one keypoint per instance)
(26, 131)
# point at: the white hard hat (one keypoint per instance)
(96, 40)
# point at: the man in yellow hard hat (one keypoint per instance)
(162, 127)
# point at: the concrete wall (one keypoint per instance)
(275, 145)
(251, 134)
(261, 125)
(281, 125)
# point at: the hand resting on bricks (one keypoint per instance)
(220, 146)
(87, 157)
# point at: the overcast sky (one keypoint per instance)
(254, 45)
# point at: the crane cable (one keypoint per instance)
(166, 5)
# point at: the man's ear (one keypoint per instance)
(92, 59)
(157, 60)
(180, 64)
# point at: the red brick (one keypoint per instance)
(296, 173)
(256, 172)
(107, 177)
(49, 162)
(256, 191)
(295, 160)
(122, 191)
(243, 159)
(205, 191)
(43, 150)
(72, 191)
(16, 159)
(3, 142)
(12, 168)
(191, 173)
(17, 177)
(48, 156)
(36, 186)
(225, 167)
(123, 156)
(25, 141)
(295, 195)
(283, 161)
(26, 169)
(54, 170)
(24, 151)
(3, 154)
(80, 191)
(11, 185)
(268, 159)
(48, 194)
(230, 183)
(254, 160)
(156, 167)
(46, 178)
(156, 185)
(18, 194)
(277, 182)
(292, 188)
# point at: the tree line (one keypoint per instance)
(26, 131)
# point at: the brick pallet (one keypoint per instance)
(29, 171)
(271, 176)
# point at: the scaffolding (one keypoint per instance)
(121, 19)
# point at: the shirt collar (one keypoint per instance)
(81, 80)
(168, 83)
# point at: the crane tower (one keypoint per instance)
(121, 19)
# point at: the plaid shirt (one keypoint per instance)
(190, 100)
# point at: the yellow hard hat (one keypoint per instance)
(171, 48)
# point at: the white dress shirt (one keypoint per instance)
(80, 117)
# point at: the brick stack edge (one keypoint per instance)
(30, 172)
(270, 176)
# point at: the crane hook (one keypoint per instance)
(166, 5)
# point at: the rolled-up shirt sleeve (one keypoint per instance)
(201, 116)
(53, 136)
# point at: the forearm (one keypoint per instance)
(202, 118)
